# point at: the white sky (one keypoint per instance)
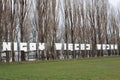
(115, 3)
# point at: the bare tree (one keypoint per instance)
(22, 17)
(1, 29)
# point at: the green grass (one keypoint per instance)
(85, 69)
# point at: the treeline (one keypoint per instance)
(58, 21)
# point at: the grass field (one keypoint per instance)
(85, 69)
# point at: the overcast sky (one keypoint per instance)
(115, 3)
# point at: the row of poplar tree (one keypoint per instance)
(59, 21)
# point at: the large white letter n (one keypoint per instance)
(6, 46)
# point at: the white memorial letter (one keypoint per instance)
(6, 46)
(70, 47)
(88, 47)
(32, 46)
(65, 46)
(77, 47)
(58, 46)
(106, 47)
(41, 46)
(99, 47)
(23, 47)
(15, 46)
(116, 47)
(82, 47)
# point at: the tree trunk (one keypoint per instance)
(0, 30)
